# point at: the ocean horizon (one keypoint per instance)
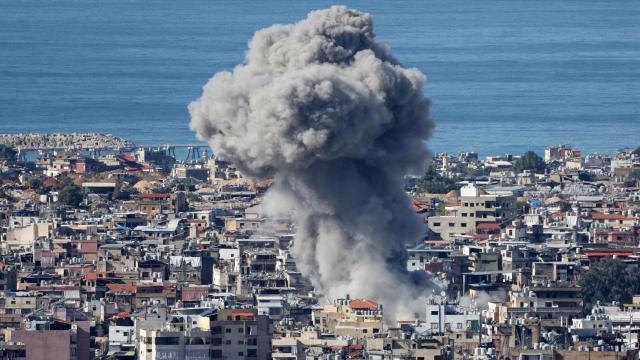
(503, 76)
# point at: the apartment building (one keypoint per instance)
(475, 207)
(358, 318)
(174, 345)
(240, 334)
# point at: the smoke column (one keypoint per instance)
(337, 121)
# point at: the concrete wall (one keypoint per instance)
(46, 344)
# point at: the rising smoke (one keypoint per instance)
(337, 121)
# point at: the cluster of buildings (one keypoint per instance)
(140, 256)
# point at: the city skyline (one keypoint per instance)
(440, 180)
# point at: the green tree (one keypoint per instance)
(35, 184)
(637, 151)
(193, 197)
(609, 280)
(121, 193)
(530, 161)
(64, 181)
(70, 195)
(433, 183)
(585, 176)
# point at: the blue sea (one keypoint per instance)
(503, 75)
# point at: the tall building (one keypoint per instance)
(474, 208)
(240, 334)
(357, 318)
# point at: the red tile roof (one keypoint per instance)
(242, 314)
(605, 252)
(420, 205)
(363, 304)
(488, 226)
(126, 288)
(600, 216)
(96, 275)
(128, 157)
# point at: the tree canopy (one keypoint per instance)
(585, 176)
(70, 195)
(433, 183)
(609, 280)
(530, 161)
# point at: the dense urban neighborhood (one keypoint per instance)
(135, 254)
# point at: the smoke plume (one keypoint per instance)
(337, 121)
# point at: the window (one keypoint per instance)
(167, 341)
(274, 311)
(252, 353)
(436, 224)
(452, 224)
(227, 330)
(241, 353)
(435, 312)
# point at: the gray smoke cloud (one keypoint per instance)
(337, 121)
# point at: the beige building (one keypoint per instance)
(23, 237)
(240, 334)
(474, 207)
(397, 348)
(298, 345)
(174, 345)
(358, 318)
(19, 303)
